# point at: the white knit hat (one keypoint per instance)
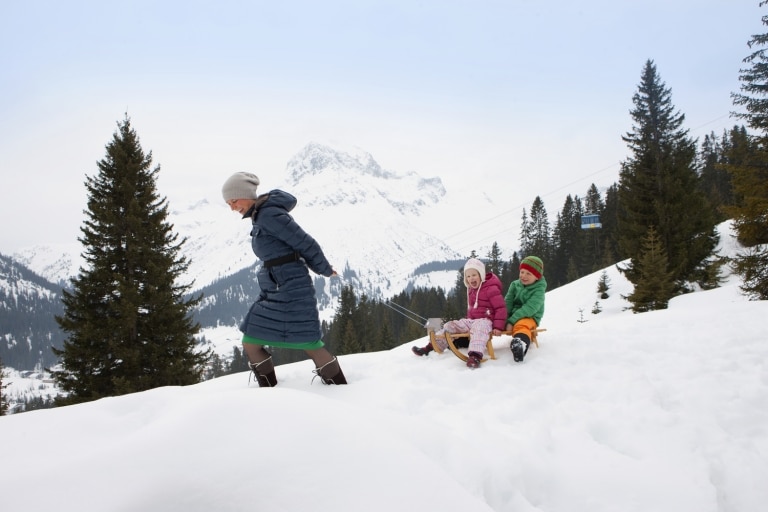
(477, 265)
(241, 185)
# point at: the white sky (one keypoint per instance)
(622, 412)
(519, 98)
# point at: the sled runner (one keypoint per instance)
(462, 344)
(432, 325)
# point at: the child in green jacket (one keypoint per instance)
(525, 305)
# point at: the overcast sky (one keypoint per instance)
(519, 98)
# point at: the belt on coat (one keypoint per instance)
(288, 258)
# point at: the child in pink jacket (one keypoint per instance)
(486, 313)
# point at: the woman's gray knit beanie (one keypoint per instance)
(241, 185)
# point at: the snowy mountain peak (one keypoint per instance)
(381, 224)
(325, 177)
(317, 158)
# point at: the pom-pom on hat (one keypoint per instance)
(533, 265)
(241, 185)
(477, 265)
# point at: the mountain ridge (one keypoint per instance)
(372, 224)
(364, 217)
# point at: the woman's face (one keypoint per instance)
(241, 205)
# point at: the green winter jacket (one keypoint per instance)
(526, 301)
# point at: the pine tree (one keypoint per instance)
(383, 338)
(3, 399)
(510, 273)
(655, 286)
(526, 233)
(350, 341)
(460, 293)
(129, 325)
(568, 240)
(715, 181)
(215, 367)
(593, 203)
(659, 187)
(594, 239)
(609, 233)
(362, 323)
(494, 259)
(603, 285)
(344, 316)
(239, 362)
(750, 177)
(535, 236)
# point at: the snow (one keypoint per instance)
(24, 385)
(659, 411)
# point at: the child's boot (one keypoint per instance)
(422, 351)
(519, 346)
(473, 359)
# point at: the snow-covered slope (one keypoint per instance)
(659, 411)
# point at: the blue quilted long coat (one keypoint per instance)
(286, 310)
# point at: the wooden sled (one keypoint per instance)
(432, 325)
(435, 346)
(450, 338)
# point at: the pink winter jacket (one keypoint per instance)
(488, 302)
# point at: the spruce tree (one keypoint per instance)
(460, 292)
(494, 259)
(715, 181)
(594, 239)
(750, 176)
(659, 187)
(3, 399)
(385, 340)
(654, 286)
(239, 362)
(350, 343)
(511, 272)
(526, 233)
(593, 203)
(362, 319)
(603, 285)
(536, 236)
(609, 233)
(344, 316)
(569, 250)
(128, 322)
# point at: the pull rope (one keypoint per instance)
(402, 310)
(407, 313)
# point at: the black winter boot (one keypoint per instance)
(330, 373)
(265, 373)
(519, 346)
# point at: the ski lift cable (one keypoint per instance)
(599, 171)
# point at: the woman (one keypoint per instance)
(285, 314)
